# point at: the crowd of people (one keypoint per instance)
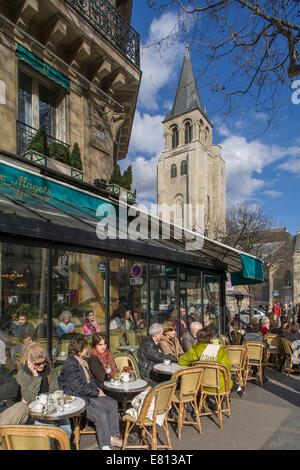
(83, 374)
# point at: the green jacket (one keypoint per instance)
(193, 355)
(31, 385)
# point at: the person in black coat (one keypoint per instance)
(76, 379)
(151, 353)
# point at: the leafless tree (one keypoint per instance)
(252, 47)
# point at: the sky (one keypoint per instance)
(262, 163)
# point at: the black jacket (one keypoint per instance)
(9, 389)
(149, 354)
(72, 381)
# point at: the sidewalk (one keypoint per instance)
(265, 418)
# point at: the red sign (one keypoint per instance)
(136, 270)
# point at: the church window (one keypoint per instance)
(175, 137)
(173, 170)
(188, 132)
(183, 167)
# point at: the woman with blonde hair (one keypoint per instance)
(36, 376)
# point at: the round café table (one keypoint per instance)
(167, 370)
(74, 410)
(124, 392)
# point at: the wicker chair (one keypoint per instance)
(63, 345)
(211, 380)
(141, 334)
(224, 340)
(116, 340)
(163, 394)
(44, 342)
(291, 356)
(237, 355)
(275, 354)
(187, 393)
(127, 360)
(236, 336)
(19, 437)
(256, 356)
(132, 337)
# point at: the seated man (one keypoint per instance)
(209, 324)
(151, 353)
(42, 329)
(23, 327)
(190, 337)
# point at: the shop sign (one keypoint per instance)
(136, 270)
(136, 281)
(101, 267)
(275, 293)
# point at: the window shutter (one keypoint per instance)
(62, 118)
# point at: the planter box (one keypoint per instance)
(120, 193)
(50, 162)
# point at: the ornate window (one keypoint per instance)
(188, 132)
(183, 167)
(173, 170)
(175, 137)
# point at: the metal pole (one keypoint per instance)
(107, 297)
(49, 303)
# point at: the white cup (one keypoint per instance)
(167, 362)
(125, 377)
(38, 407)
(63, 354)
(42, 399)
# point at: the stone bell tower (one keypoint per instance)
(190, 170)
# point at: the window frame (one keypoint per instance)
(173, 170)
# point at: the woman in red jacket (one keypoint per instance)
(265, 326)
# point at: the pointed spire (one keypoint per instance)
(187, 95)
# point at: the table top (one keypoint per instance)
(169, 370)
(137, 385)
(76, 407)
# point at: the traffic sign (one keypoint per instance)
(136, 281)
(136, 270)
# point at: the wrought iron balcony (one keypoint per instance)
(25, 134)
(104, 18)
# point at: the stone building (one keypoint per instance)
(74, 67)
(191, 170)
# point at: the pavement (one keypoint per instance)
(263, 419)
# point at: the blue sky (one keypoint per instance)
(262, 165)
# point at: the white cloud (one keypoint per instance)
(147, 134)
(144, 174)
(292, 165)
(159, 59)
(272, 193)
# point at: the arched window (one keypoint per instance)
(175, 137)
(173, 170)
(183, 167)
(188, 132)
(179, 209)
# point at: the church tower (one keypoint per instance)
(190, 170)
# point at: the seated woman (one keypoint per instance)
(76, 379)
(90, 326)
(203, 349)
(169, 342)
(65, 326)
(264, 329)
(101, 358)
(36, 376)
(138, 321)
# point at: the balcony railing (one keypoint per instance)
(103, 17)
(25, 134)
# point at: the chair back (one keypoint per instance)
(141, 334)
(255, 350)
(115, 340)
(211, 375)
(224, 339)
(127, 360)
(216, 340)
(236, 354)
(273, 340)
(27, 437)
(190, 382)
(63, 345)
(163, 394)
(132, 338)
(289, 349)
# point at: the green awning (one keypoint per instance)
(253, 272)
(43, 67)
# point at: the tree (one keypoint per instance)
(257, 43)
(116, 177)
(75, 160)
(127, 178)
(247, 229)
(59, 152)
(38, 142)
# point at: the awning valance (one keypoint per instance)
(42, 67)
(252, 273)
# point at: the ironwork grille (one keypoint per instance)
(25, 134)
(103, 17)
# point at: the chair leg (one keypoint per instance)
(154, 437)
(77, 431)
(180, 419)
(197, 416)
(219, 411)
(125, 436)
(167, 433)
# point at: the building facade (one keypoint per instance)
(190, 170)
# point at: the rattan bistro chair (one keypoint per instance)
(127, 360)
(190, 380)
(27, 437)
(275, 352)
(256, 355)
(237, 355)
(291, 356)
(211, 380)
(163, 394)
(116, 340)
